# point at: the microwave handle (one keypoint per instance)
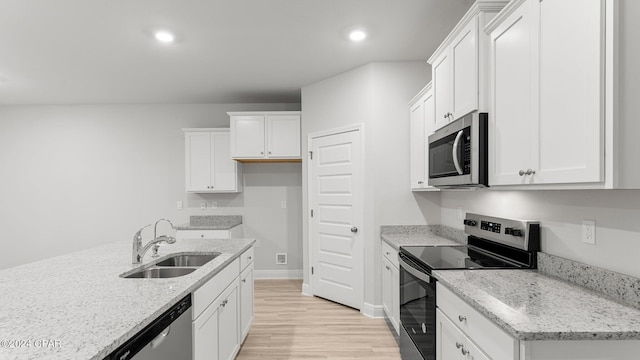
(456, 143)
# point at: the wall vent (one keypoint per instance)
(281, 258)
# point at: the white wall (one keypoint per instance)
(377, 96)
(617, 212)
(73, 177)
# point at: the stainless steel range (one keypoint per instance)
(493, 243)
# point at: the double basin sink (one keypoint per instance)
(174, 266)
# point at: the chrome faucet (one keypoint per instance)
(139, 250)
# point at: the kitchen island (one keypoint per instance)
(76, 306)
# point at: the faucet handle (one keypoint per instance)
(154, 250)
(138, 234)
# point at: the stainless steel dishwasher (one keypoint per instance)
(167, 338)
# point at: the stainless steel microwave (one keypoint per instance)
(458, 153)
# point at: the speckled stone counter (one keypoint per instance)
(532, 306)
(80, 303)
(211, 222)
(425, 235)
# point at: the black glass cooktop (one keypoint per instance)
(456, 257)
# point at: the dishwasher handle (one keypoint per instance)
(160, 338)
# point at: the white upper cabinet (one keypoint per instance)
(547, 117)
(208, 164)
(460, 65)
(422, 124)
(265, 136)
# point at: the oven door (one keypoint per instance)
(417, 311)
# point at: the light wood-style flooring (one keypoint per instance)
(289, 325)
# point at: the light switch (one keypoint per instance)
(203, 205)
(283, 204)
(179, 205)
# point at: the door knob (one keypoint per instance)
(354, 229)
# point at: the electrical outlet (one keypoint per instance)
(283, 204)
(589, 232)
(203, 205)
(179, 205)
(460, 213)
(214, 204)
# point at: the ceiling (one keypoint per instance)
(227, 51)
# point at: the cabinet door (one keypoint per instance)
(228, 321)
(283, 136)
(198, 161)
(464, 70)
(395, 298)
(510, 128)
(248, 139)
(441, 76)
(246, 301)
(449, 340)
(387, 288)
(571, 110)
(418, 143)
(474, 352)
(205, 335)
(224, 169)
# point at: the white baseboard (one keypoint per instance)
(372, 311)
(277, 274)
(307, 290)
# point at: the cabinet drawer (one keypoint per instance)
(214, 287)
(488, 336)
(202, 234)
(390, 253)
(246, 258)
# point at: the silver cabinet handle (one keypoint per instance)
(458, 345)
(388, 253)
(261, 152)
(224, 303)
(462, 318)
(201, 235)
(244, 280)
(464, 351)
(248, 257)
(420, 182)
(269, 152)
(388, 268)
(354, 229)
(530, 172)
(521, 172)
(456, 143)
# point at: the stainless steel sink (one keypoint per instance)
(158, 272)
(188, 260)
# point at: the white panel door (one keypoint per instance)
(441, 90)
(510, 125)
(228, 323)
(417, 142)
(571, 116)
(449, 340)
(464, 66)
(205, 335)
(248, 136)
(246, 301)
(223, 171)
(283, 136)
(336, 226)
(198, 166)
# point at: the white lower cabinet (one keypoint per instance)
(463, 333)
(391, 285)
(234, 232)
(452, 344)
(246, 292)
(216, 316)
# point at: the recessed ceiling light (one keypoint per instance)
(357, 35)
(164, 37)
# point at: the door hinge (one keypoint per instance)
(311, 155)
(312, 270)
(311, 212)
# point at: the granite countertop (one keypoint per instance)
(532, 306)
(425, 235)
(84, 310)
(211, 222)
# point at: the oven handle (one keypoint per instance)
(456, 143)
(406, 266)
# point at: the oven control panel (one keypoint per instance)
(521, 234)
(490, 226)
